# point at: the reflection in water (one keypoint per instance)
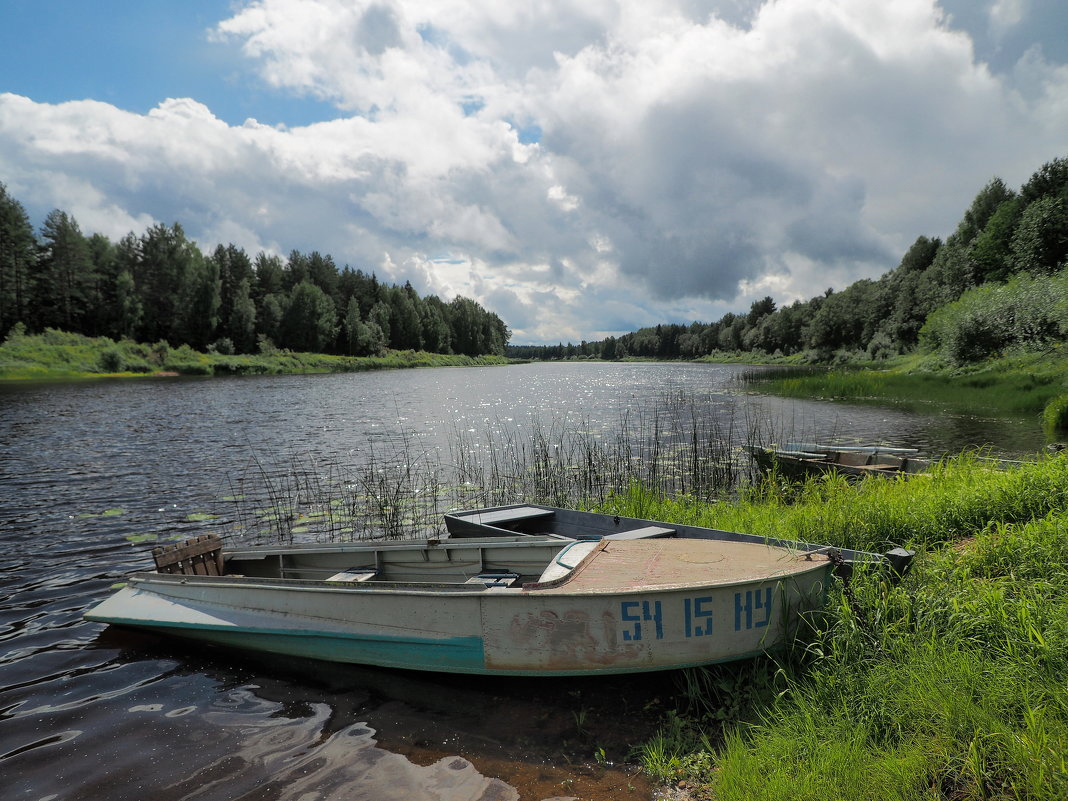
(93, 474)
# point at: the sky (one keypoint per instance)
(583, 169)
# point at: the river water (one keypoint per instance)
(93, 473)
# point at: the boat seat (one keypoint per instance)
(513, 514)
(354, 574)
(501, 579)
(850, 459)
(198, 556)
(649, 532)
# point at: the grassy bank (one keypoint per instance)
(1020, 384)
(61, 355)
(950, 685)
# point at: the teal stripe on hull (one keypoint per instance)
(454, 655)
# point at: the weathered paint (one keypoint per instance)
(596, 621)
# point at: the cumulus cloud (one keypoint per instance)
(583, 168)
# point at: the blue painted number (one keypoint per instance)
(749, 605)
(638, 612)
(695, 611)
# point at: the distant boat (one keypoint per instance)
(517, 590)
(852, 460)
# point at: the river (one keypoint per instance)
(92, 473)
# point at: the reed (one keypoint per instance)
(396, 490)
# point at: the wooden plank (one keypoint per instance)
(198, 556)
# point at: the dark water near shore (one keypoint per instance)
(90, 713)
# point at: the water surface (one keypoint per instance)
(92, 474)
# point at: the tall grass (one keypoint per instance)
(1013, 386)
(950, 685)
(956, 498)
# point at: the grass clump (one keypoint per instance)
(950, 685)
(1055, 416)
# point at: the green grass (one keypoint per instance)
(950, 685)
(1020, 384)
(61, 355)
(1055, 416)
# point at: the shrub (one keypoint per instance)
(223, 346)
(111, 360)
(1055, 416)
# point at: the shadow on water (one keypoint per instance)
(206, 722)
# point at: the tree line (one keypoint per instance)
(161, 286)
(1004, 233)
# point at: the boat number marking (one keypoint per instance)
(649, 613)
(752, 609)
(754, 602)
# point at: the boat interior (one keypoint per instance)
(495, 562)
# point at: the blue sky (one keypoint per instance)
(583, 169)
(135, 53)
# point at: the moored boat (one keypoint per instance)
(519, 590)
(856, 461)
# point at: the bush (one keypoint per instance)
(223, 346)
(1055, 416)
(111, 361)
(1028, 313)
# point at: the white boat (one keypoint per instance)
(519, 590)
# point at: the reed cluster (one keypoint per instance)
(400, 488)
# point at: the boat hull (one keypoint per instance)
(507, 631)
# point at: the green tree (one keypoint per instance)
(434, 325)
(991, 252)
(63, 280)
(1040, 242)
(234, 269)
(129, 311)
(984, 205)
(241, 325)
(167, 265)
(199, 307)
(310, 320)
(1050, 180)
(405, 327)
(17, 257)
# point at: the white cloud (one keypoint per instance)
(590, 167)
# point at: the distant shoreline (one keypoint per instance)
(62, 356)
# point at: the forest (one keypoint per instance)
(160, 287)
(997, 282)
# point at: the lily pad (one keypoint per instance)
(105, 513)
(199, 517)
(136, 538)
